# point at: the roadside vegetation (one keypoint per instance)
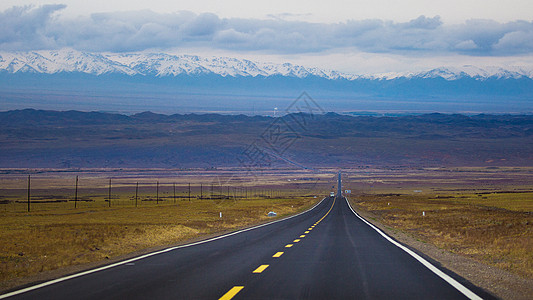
(45, 240)
(493, 227)
(60, 232)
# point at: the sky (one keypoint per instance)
(351, 36)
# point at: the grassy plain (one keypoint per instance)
(481, 213)
(484, 214)
(54, 234)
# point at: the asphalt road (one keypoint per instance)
(325, 253)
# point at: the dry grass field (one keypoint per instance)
(55, 234)
(484, 214)
(39, 241)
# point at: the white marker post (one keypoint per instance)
(221, 215)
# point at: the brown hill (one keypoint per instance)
(33, 138)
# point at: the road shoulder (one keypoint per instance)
(498, 282)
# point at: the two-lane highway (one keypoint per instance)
(325, 253)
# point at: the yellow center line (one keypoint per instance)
(278, 254)
(334, 199)
(260, 269)
(231, 293)
(310, 228)
(302, 236)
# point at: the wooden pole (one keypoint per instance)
(174, 185)
(136, 193)
(109, 194)
(76, 194)
(29, 188)
(201, 191)
(157, 193)
(189, 191)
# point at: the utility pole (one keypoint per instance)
(109, 194)
(157, 193)
(189, 191)
(76, 194)
(174, 185)
(136, 193)
(29, 188)
(201, 191)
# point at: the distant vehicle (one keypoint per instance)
(332, 194)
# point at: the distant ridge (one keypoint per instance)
(35, 117)
(72, 139)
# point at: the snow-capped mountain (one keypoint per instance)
(155, 64)
(466, 71)
(163, 65)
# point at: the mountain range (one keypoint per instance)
(162, 65)
(135, 82)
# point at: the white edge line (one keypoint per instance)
(54, 281)
(461, 288)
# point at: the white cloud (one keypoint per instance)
(27, 28)
(331, 11)
(466, 45)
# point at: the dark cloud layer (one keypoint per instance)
(32, 28)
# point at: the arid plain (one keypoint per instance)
(480, 214)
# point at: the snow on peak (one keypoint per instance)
(455, 73)
(162, 65)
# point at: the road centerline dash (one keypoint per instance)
(260, 269)
(278, 254)
(231, 293)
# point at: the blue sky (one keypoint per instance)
(350, 36)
